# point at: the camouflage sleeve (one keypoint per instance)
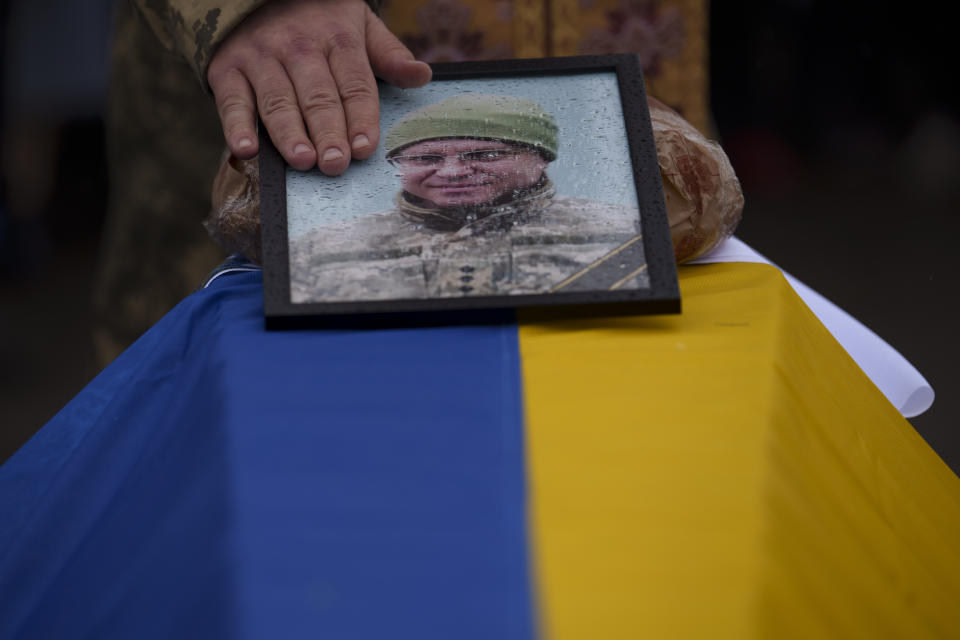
(194, 28)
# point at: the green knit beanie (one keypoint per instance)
(477, 115)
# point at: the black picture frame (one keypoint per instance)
(653, 245)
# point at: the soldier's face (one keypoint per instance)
(459, 171)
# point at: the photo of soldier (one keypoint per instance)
(476, 215)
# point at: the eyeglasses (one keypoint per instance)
(479, 156)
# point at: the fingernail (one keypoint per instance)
(301, 149)
(244, 143)
(332, 154)
(361, 141)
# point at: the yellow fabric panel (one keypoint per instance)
(729, 473)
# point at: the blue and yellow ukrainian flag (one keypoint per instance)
(725, 473)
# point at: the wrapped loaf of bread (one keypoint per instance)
(234, 221)
(702, 194)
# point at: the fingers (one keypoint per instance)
(235, 104)
(280, 111)
(390, 59)
(357, 89)
(319, 102)
(306, 67)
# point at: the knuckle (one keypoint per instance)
(355, 89)
(301, 46)
(320, 99)
(233, 105)
(273, 104)
(343, 39)
(262, 50)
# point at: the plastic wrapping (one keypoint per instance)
(703, 196)
(234, 221)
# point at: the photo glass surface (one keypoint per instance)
(498, 185)
(480, 187)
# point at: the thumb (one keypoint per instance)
(390, 59)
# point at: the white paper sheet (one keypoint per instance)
(893, 374)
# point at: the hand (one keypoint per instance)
(308, 67)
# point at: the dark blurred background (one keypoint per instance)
(841, 120)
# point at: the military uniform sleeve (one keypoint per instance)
(194, 28)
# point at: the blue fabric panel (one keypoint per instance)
(220, 481)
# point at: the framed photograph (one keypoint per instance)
(499, 185)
